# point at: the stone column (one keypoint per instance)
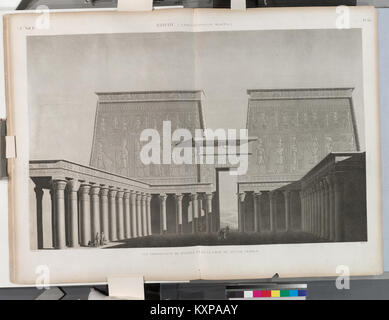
(39, 215)
(208, 215)
(286, 200)
(104, 213)
(326, 210)
(257, 211)
(85, 218)
(200, 210)
(148, 209)
(322, 212)
(163, 221)
(302, 207)
(139, 213)
(53, 214)
(95, 211)
(119, 215)
(127, 214)
(178, 198)
(195, 212)
(133, 214)
(112, 214)
(272, 210)
(60, 222)
(338, 198)
(331, 213)
(72, 188)
(316, 212)
(313, 226)
(307, 201)
(241, 198)
(311, 209)
(144, 215)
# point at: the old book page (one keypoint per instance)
(188, 144)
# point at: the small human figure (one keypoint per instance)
(97, 241)
(226, 232)
(102, 239)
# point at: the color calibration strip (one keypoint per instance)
(267, 293)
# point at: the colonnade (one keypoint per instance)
(258, 199)
(196, 208)
(83, 214)
(322, 207)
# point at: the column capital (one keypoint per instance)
(59, 184)
(112, 192)
(94, 190)
(144, 197)
(132, 195)
(209, 195)
(257, 194)
(119, 194)
(194, 196)
(149, 197)
(163, 196)
(73, 185)
(84, 188)
(39, 191)
(286, 193)
(242, 196)
(104, 191)
(178, 196)
(126, 194)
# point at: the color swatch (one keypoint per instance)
(267, 293)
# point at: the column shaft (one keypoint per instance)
(241, 211)
(133, 214)
(144, 215)
(85, 218)
(60, 222)
(104, 214)
(119, 215)
(272, 210)
(112, 215)
(39, 216)
(95, 213)
(139, 214)
(195, 213)
(73, 187)
(149, 215)
(163, 220)
(178, 198)
(331, 222)
(338, 195)
(127, 215)
(209, 227)
(286, 199)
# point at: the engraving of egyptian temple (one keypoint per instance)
(306, 173)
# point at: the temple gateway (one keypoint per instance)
(306, 175)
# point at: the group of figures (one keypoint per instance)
(294, 135)
(99, 240)
(294, 154)
(124, 158)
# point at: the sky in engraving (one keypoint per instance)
(64, 72)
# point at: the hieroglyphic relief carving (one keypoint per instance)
(295, 130)
(116, 143)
